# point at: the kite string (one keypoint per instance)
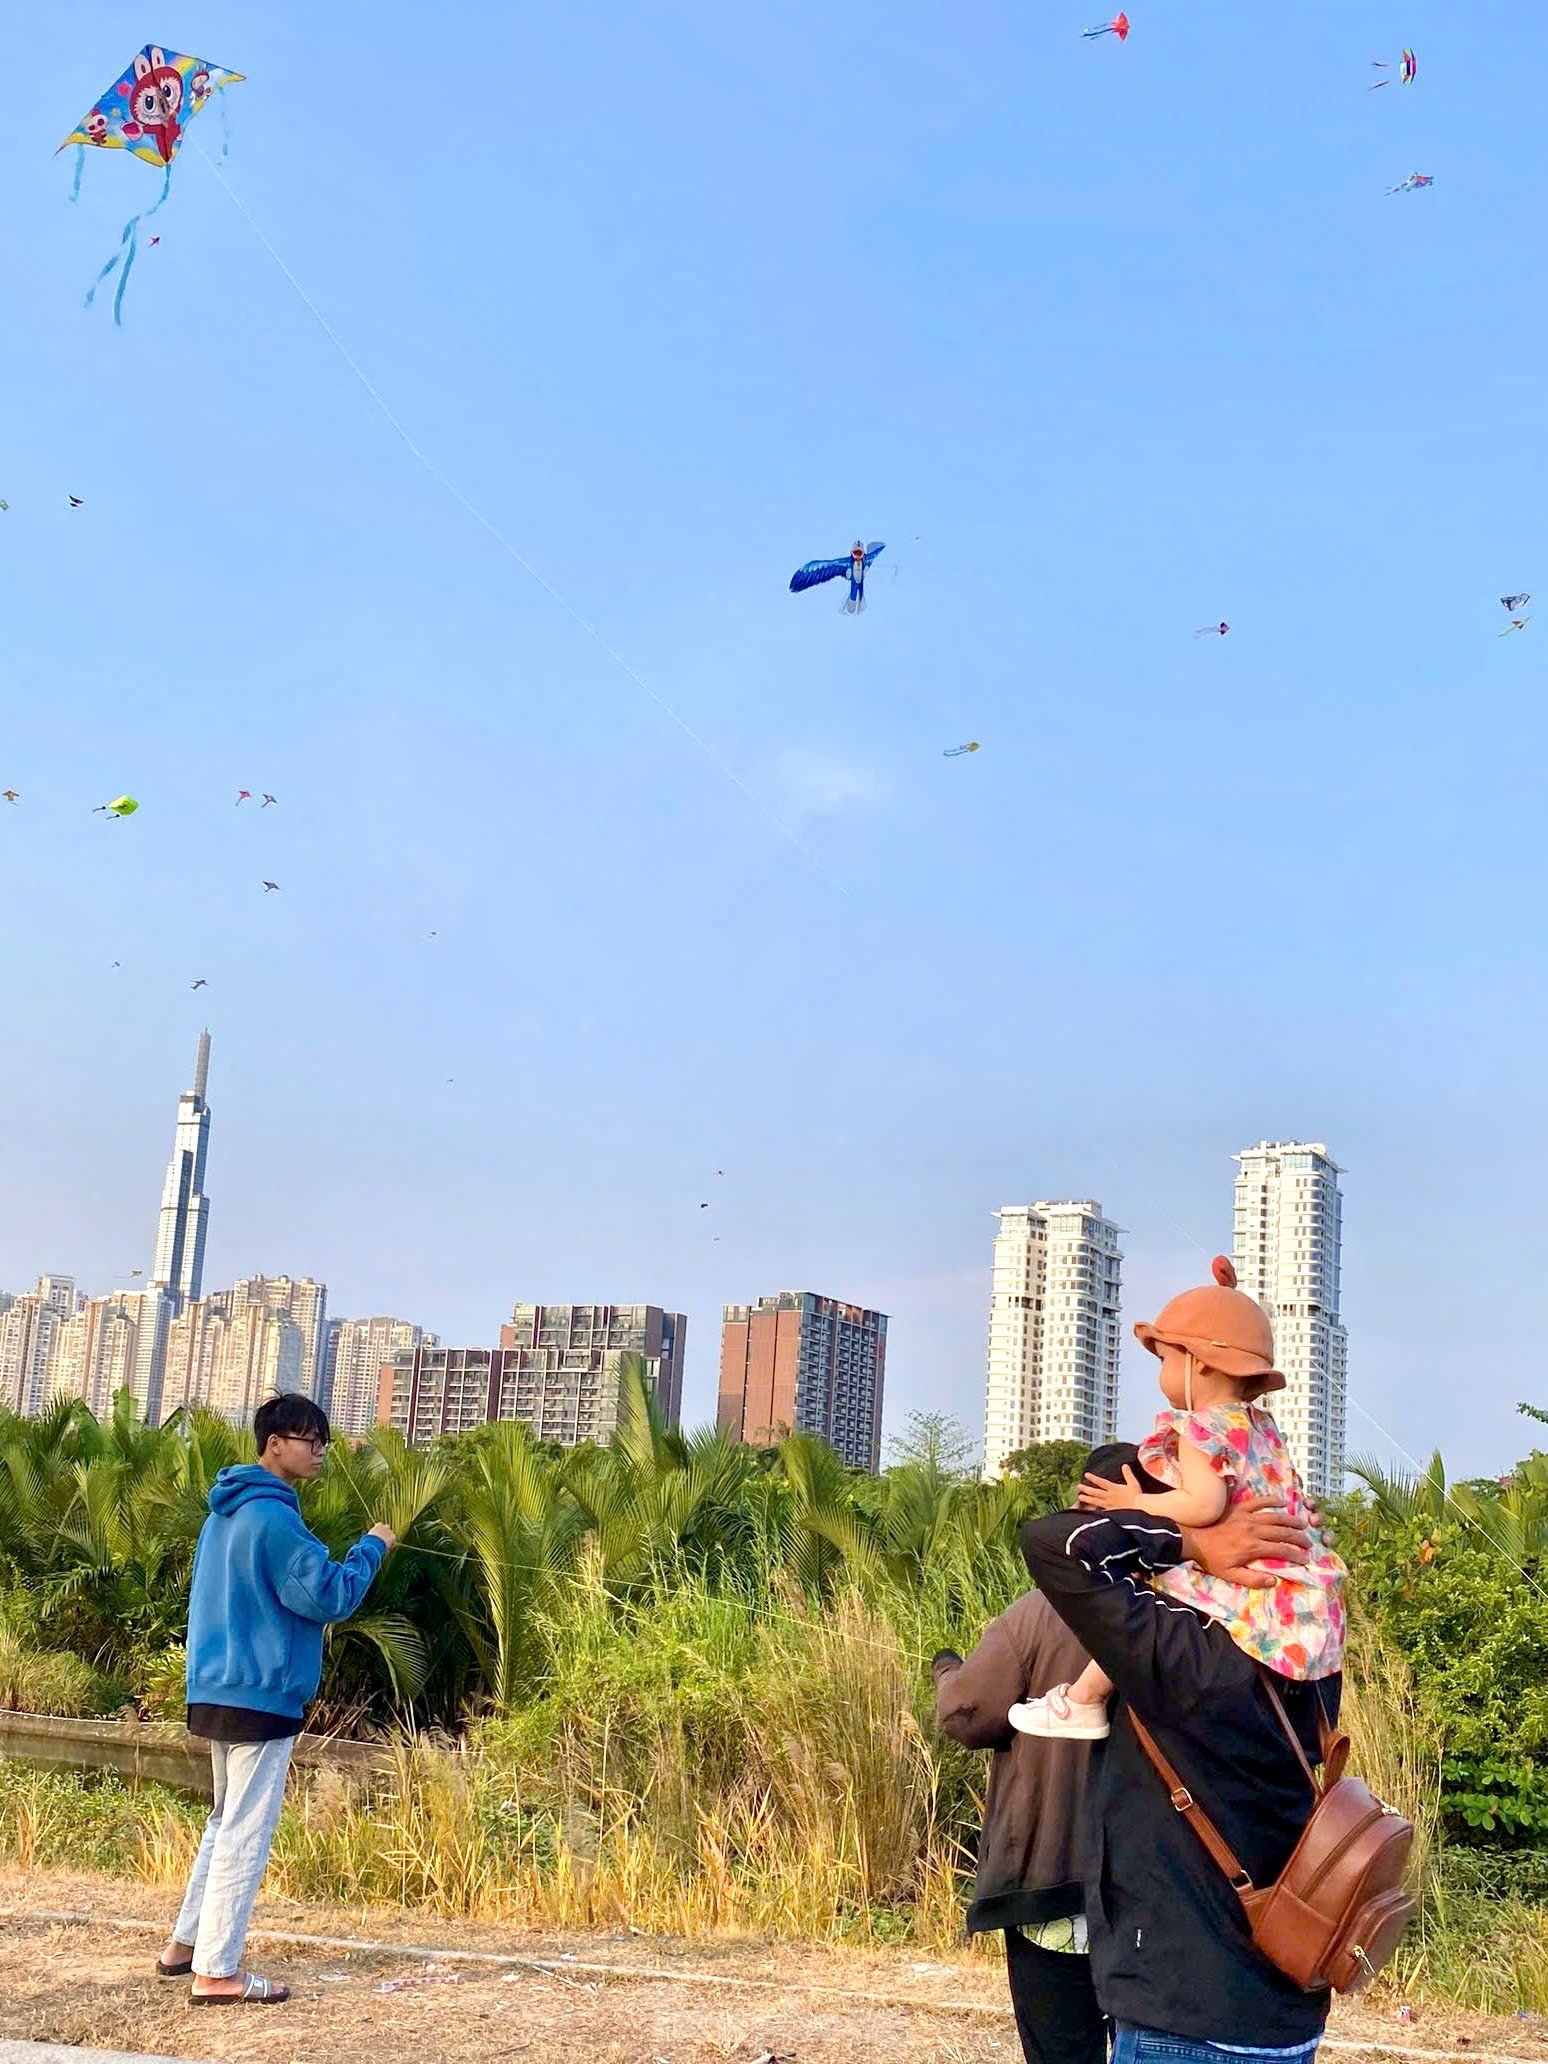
(485, 523)
(1425, 1476)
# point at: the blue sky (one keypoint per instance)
(1106, 342)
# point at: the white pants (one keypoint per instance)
(249, 1789)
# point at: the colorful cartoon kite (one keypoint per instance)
(955, 752)
(1413, 183)
(1511, 603)
(816, 571)
(145, 112)
(1118, 26)
(1408, 66)
(1212, 630)
(121, 806)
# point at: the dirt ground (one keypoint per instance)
(658, 2001)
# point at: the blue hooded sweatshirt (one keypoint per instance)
(264, 1587)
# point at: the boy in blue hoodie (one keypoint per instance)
(264, 1587)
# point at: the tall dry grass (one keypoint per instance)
(809, 1804)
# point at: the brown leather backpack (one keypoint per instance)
(1338, 1909)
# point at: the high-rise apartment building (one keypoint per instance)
(185, 1210)
(296, 1298)
(110, 1344)
(1053, 1329)
(354, 1352)
(797, 1362)
(229, 1355)
(1287, 1246)
(557, 1369)
(30, 1329)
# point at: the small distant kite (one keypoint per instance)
(244, 795)
(1118, 26)
(267, 800)
(201, 983)
(13, 795)
(268, 885)
(145, 111)
(121, 806)
(1511, 603)
(955, 752)
(75, 501)
(1212, 630)
(1517, 623)
(856, 565)
(4, 505)
(1408, 66)
(1413, 183)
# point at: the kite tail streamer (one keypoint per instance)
(80, 167)
(126, 253)
(225, 125)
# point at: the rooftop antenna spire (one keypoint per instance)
(202, 1066)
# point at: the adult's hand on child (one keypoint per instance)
(1234, 1546)
(1096, 1494)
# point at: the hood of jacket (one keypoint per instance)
(240, 1484)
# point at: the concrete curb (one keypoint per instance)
(55, 2053)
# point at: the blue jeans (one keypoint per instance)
(249, 1789)
(1150, 2046)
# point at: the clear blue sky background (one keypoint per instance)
(1106, 342)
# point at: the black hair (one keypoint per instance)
(290, 1413)
(1110, 1461)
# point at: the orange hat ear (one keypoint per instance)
(1223, 1272)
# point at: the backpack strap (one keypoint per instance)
(1190, 1809)
(1335, 1744)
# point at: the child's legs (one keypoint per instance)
(1093, 1687)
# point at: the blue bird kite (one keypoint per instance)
(816, 571)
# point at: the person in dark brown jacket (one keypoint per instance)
(1030, 1872)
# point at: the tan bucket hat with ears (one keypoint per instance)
(1222, 1328)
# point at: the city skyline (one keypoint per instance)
(1052, 1366)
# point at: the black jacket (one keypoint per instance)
(1169, 1942)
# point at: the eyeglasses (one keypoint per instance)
(308, 1440)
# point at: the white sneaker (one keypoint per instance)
(1058, 1717)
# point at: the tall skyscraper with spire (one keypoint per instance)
(185, 1210)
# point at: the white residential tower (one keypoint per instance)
(1053, 1329)
(1287, 1248)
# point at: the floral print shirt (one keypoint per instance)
(1296, 1627)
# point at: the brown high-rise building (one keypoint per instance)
(799, 1363)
